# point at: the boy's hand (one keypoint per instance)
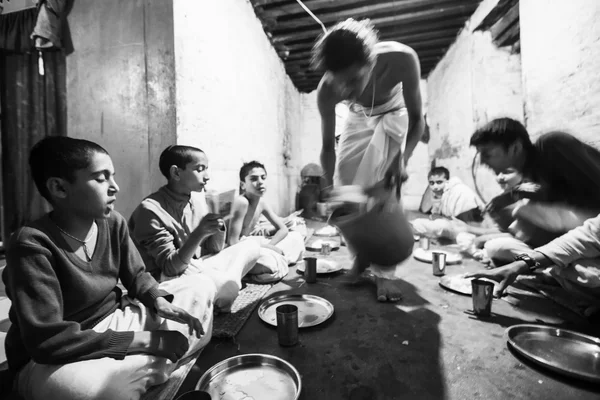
(168, 344)
(505, 275)
(169, 311)
(210, 224)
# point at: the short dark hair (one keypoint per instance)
(60, 157)
(176, 155)
(347, 43)
(501, 131)
(439, 171)
(249, 166)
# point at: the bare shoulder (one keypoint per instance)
(240, 203)
(264, 205)
(395, 52)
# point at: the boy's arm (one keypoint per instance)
(238, 213)
(37, 303)
(132, 272)
(277, 222)
(156, 240)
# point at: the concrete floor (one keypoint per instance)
(425, 347)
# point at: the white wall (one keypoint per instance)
(234, 99)
(561, 60)
(474, 83)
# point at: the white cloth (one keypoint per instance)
(272, 266)
(127, 379)
(370, 140)
(458, 198)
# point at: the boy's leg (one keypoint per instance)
(228, 268)
(503, 250)
(292, 246)
(581, 279)
(108, 378)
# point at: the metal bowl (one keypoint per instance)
(254, 376)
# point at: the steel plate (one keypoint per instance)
(323, 266)
(566, 352)
(426, 256)
(312, 310)
(252, 377)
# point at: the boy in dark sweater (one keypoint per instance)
(74, 335)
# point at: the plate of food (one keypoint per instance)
(327, 231)
(323, 267)
(427, 257)
(459, 283)
(318, 244)
(252, 377)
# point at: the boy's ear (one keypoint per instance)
(174, 172)
(57, 187)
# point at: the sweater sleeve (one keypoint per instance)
(37, 303)
(132, 272)
(579, 243)
(158, 243)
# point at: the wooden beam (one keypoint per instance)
(392, 35)
(435, 43)
(384, 8)
(421, 16)
(505, 22)
(510, 35)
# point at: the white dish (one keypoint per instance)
(317, 244)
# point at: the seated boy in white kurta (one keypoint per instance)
(279, 250)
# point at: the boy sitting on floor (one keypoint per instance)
(446, 199)
(73, 334)
(279, 250)
(177, 234)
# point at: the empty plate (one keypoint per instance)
(312, 310)
(566, 352)
(323, 266)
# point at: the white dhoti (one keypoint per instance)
(370, 140)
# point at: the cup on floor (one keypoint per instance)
(195, 395)
(482, 293)
(326, 248)
(438, 261)
(287, 324)
(322, 209)
(310, 269)
(424, 242)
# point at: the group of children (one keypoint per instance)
(458, 214)
(75, 334)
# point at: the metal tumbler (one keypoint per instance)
(439, 263)
(310, 269)
(287, 324)
(483, 292)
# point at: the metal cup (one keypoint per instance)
(439, 263)
(326, 248)
(195, 395)
(424, 243)
(482, 293)
(310, 269)
(287, 324)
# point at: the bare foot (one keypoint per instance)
(358, 267)
(388, 289)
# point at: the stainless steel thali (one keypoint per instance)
(312, 310)
(252, 377)
(566, 352)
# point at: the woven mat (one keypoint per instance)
(169, 389)
(228, 325)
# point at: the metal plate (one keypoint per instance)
(459, 284)
(566, 352)
(252, 377)
(316, 245)
(425, 256)
(323, 266)
(312, 310)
